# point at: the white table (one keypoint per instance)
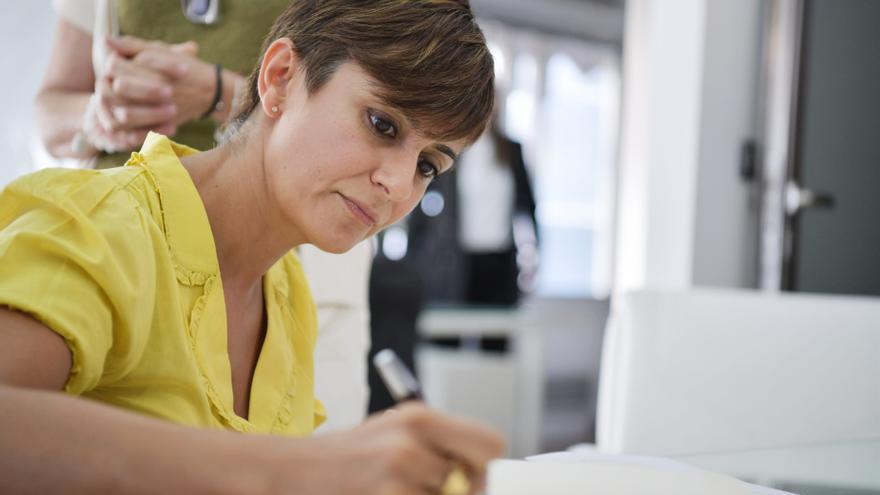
(526, 350)
(836, 468)
(851, 465)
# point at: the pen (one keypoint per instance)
(399, 380)
(403, 386)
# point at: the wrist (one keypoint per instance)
(235, 464)
(216, 103)
(233, 84)
(266, 465)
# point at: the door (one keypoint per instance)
(831, 196)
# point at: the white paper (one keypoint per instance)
(584, 471)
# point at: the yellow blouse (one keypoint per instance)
(122, 264)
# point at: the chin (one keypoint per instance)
(336, 246)
(336, 249)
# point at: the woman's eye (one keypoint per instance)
(428, 169)
(383, 126)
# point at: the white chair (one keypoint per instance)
(709, 371)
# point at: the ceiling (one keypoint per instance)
(599, 20)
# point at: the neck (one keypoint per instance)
(248, 233)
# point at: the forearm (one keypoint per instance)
(59, 116)
(53, 443)
(68, 82)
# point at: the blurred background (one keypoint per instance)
(639, 147)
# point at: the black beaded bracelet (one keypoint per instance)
(217, 102)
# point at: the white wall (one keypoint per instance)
(26, 29)
(662, 72)
(690, 69)
(726, 226)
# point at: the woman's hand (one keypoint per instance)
(408, 451)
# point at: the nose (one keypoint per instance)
(396, 176)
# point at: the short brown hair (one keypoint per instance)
(429, 56)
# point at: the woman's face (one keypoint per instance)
(341, 165)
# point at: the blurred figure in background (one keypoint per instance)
(397, 296)
(121, 68)
(497, 226)
(478, 223)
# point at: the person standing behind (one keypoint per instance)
(162, 75)
(176, 69)
(496, 203)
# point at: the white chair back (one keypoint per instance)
(688, 372)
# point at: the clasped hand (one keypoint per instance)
(146, 86)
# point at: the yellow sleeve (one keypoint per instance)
(320, 413)
(74, 255)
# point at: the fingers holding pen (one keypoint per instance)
(413, 451)
(470, 444)
(407, 460)
(463, 439)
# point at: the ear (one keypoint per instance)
(278, 67)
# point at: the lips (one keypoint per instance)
(360, 212)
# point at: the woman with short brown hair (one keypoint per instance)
(164, 300)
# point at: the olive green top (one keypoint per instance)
(233, 42)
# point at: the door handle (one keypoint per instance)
(799, 198)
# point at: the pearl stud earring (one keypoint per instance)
(274, 109)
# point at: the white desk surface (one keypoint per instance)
(527, 355)
(469, 321)
(854, 465)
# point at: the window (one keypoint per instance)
(561, 103)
